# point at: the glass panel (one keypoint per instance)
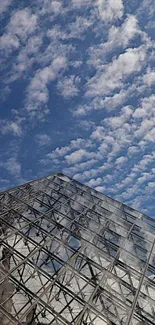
(71, 255)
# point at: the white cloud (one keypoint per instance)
(75, 29)
(55, 6)
(26, 58)
(115, 134)
(37, 93)
(52, 7)
(109, 103)
(86, 175)
(93, 172)
(126, 32)
(110, 10)
(112, 75)
(150, 136)
(43, 139)
(4, 4)
(95, 182)
(117, 143)
(133, 150)
(118, 121)
(117, 37)
(136, 183)
(146, 108)
(126, 181)
(77, 156)
(68, 87)
(76, 64)
(80, 166)
(9, 42)
(101, 189)
(13, 167)
(149, 77)
(145, 126)
(74, 144)
(120, 160)
(13, 127)
(58, 152)
(85, 124)
(98, 133)
(53, 49)
(22, 23)
(144, 162)
(78, 27)
(145, 177)
(56, 33)
(81, 3)
(151, 185)
(146, 7)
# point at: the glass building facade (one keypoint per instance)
(71, 255)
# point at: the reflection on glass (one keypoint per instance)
(71, 255)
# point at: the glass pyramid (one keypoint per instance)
(71, 255)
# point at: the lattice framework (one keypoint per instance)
(71, 255)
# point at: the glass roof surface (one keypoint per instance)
(71, 255)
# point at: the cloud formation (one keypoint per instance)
(109, 9)
(77, 94)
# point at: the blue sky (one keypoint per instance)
(77, 95)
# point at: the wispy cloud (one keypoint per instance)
(37, 93)
(4, 5)
(69, 87)
(13, 127)
(112, 76)
(110, 10)
(13, 167)
(22, 24)
(43, 139)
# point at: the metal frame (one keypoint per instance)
(71, 255)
